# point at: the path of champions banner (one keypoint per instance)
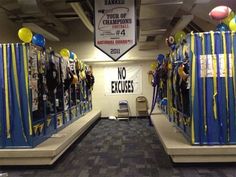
(115, 26)
(123, 80)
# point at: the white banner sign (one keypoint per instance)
(115, 26)
(206, 65)
(123, 80)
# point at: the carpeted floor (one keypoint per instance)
(120, 149)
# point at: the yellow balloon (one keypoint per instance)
(83, 74)
(179, 36)
(153, 66)
(82, 65)
(169, 66)
(229, 18)
(78, 65)
(75, 79)
(232, 24)
(65, 53)
(75, 56)
(25, 34)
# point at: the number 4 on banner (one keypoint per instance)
(123, 32)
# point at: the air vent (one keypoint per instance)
(24, 18)
(150, 38)
(195, 27)
(66, 15)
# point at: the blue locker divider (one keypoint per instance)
(18, 132)
(212, 90)
(213, 111)
(2, 130)
(20, 127)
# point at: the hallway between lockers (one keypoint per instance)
(120, 149)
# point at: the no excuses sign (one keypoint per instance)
(123, 80)
(115, 26)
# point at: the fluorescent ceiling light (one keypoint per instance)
(152, 32)
(37, 29)
(202, 1)
(162, 3)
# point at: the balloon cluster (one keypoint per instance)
(73, 56)
(65, 53)
(160, 58)
(170, 42)
(179, 37)
(225, 16)
(153, 66)
(26, 35)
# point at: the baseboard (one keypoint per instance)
(103, 117)
(131, 117)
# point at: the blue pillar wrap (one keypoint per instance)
(212, 129)
(221, 99)
(199, 88)
(231, 113)
(195, 109)
(233, 122)
(2, 127)
(23, 89)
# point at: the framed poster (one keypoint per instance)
(115, 27)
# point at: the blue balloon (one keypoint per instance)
(222, 27)
(38, 40)
(173, 47)
(72, 55)
(160, 58)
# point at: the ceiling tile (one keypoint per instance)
(156, 11)
(154, 23)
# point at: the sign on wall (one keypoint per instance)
(207, 63)
(115, 26)
(123, 80)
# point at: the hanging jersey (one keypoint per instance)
(72, 66)
(53, 74)
(64, 66)
(33, 76)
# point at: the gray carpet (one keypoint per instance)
(120, 149)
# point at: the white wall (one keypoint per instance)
(82, 44)
(109, 104)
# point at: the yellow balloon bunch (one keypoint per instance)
(83, 74)
(181, 72)
(65, 53)
(153, 66)
(25, 34)
(232, 24)
(75, 79)
(179, 36)
(229, 18)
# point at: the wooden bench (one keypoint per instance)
(181, 151)
(50, 150)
